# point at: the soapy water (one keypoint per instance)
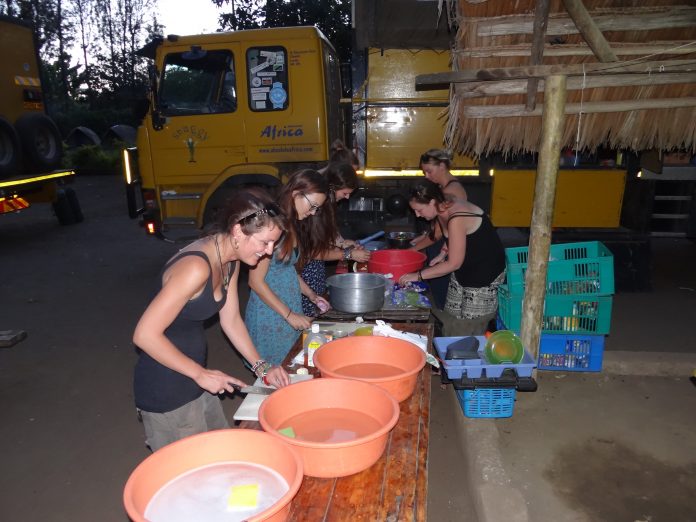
(332, 425)
(369, 371)
(203, 493)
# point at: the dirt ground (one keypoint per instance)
(68, 430)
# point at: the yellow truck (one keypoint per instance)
(30, 142)
(228, 110)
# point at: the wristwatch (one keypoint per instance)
(347, 253)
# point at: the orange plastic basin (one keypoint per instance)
(213, 447)
(338, 426)
(391, 364)
(396, 262)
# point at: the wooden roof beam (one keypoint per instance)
(444, 79)
(574, 83)
(629, 19)
(507, 111)
(620, 49)
(589, 30)
(541, 18)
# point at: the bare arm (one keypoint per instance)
(257, 282)
(183, 281)
(456, 232)
(236, 331)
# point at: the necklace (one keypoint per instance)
(225, 278)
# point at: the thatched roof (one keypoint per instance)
(651, 104)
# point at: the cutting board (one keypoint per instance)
(249, 408)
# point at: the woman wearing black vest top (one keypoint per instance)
(472, 255)
(175, 394)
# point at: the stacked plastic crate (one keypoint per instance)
(577, 309)
(484, 389)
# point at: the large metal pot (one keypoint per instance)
(400, 239)
(356, 293)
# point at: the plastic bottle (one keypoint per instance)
(311, 343)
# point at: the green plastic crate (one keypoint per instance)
(574, 268)
(563, 314)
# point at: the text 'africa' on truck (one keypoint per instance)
(229, 110)
(30, 142)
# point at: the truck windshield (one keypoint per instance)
(198, 83)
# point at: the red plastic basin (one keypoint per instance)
(396, 262)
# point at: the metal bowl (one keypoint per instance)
(400, 239)
(356, 293)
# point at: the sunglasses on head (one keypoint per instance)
(426, 158)
(271, 209)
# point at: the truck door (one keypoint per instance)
(204, 132)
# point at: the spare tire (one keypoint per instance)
(10, 150)
(41, 141)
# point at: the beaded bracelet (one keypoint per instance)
(262, 370)
(257, 365)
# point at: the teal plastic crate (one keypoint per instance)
(488, 403)
(574, 268)
(563, 314)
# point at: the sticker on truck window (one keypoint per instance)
(266, 66)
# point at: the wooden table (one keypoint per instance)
(395, 488)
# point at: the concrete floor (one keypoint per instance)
(69, 436)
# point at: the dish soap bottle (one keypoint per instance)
(311, 343)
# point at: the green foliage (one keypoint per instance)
(93, 159)
(332, 17)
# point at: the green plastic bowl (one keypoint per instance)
(504, 346)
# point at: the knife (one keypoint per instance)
(257, 390)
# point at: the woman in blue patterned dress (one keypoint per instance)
(274, 312)
(342, 182)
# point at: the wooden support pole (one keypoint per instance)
(589, 30)
(542, 213)
(541, 18)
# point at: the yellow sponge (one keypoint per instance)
(245, 496)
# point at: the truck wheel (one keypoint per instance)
(74, 205)
(10, 149)
(41, 141)
(67, 208)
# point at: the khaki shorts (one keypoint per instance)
(198, 416)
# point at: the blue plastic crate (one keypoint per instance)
(574, 268)
(490, 403)
(476, 368)
(570, 353)
(563, 314)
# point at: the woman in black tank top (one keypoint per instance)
(473, 254)
(196, 284)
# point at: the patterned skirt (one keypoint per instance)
(468, 302)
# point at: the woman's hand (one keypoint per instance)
(360, 254)
(322, 304)
(414, 242)
(407, 278)
(277, 376)
(438, 258)
(299, 321)
(215, 381)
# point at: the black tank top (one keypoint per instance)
(159, 389)
(485, 255)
